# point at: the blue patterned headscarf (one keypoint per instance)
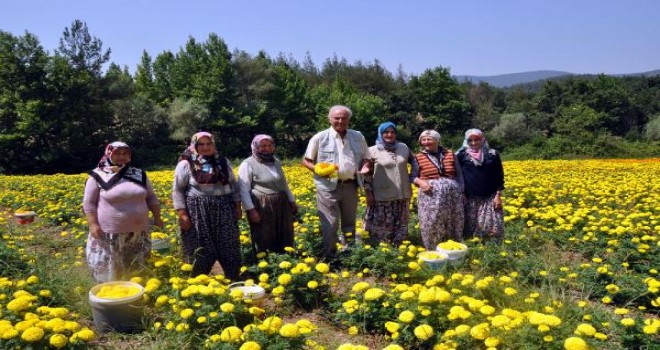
(380, 143)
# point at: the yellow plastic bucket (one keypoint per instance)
(117, 306)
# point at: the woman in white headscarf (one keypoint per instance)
(440, 197)
(266, 197)
(116, 202)
(207, 202)
(484, 182)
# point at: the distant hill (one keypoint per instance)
(506, 80)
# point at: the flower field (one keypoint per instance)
(578, 269)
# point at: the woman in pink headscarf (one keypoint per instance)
(266, 197)
(484, 182)
(116, 202)
(208, 205)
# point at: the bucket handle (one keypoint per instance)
(241, 283)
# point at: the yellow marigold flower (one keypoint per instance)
(326, 169)
(393, 347)
(500, 321)
(32, 334)
(575, 343)
(284, 279)
(359, 287)
(350, 306)
(86, 335)
(279, 290)
(492, 342)
(612, 288)
(186, 267)
(271, 325)
(322, 268)
(427, 296)
(480, 331)
(621, 311)
(312, 284)
(628, 322)
(510, 291)
(186, 313)
(585, 329)
(406, 316)
(231, 334)
(58, 341)
(423, 332)
(263, 277)
(250, 345)
(407, 295)
(373, 294)
(262, 264)
(32, 280)
(202, 319)
(227, 307)
(392, 326)
(487, 310)
(256, 311)
(461, 329)
(290, 330)
(451, 245)
(285, 265)
(19, 304)
(305, 326)
(352, 330)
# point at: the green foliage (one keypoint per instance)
(58, 111)
(652, 129)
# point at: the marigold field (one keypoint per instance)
(578, 269)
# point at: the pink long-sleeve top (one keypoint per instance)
(123, 208)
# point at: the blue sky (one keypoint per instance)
(470, 37)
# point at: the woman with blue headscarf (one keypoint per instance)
(484, 182)
(388, 188)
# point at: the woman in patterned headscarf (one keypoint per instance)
(440, 197)
(387, 188)
(208, 205)
(484, 183)
(116, 202)
(266, 197)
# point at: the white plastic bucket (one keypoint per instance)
(434, 263)
(454, 254)
(254, 293)
(161, 246)
(121, 315)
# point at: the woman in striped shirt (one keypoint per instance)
(438, 176)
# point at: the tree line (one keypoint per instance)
(58, 110)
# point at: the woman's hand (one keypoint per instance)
(158, 222)
(370, 198)
(238, 212)
(96, 231)
(424, 186)
(253, 216)
(497, 202)
(184, 220)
